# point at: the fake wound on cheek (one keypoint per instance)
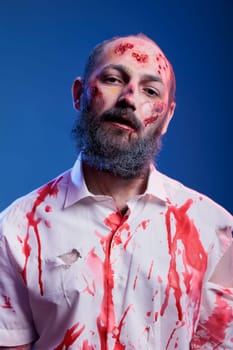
(156, 111)
(95, 96)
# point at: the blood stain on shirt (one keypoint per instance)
(48, 209)
(194, 258)
(150, 270)
(70, 337)
(50, 189)
(217, 323)
(91, 290)
(86, 346)
(117, 331)
(7, 303)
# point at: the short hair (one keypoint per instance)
(95, 56)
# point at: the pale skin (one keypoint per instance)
(133, 69)
(130, 69)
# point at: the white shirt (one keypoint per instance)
(75, 274)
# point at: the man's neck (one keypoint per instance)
(120, 189)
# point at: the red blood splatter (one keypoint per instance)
(156, 316)
(106, 319)
(140, 57)
(194, 255)
(150, 270)
(213, 330)
(26, 250)
(50, 189)
(173, 332)
(95, 263)
(47, 223)
(158, 108)
(148, 314)
(86, 346)
(163, 63)
(150, 120)
(135, 282)
(129, 237)
(70, 337)
(117, 331)
(7, 303)
(88, 288)
(155, 293)
(120, 49)
(144, 224)
(20, 239)
(160, 279)
(48, 209)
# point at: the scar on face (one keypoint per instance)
(162, 63)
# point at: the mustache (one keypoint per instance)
(123, 116)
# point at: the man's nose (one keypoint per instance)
(127, 97)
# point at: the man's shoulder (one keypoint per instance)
(54, 190)
(200, 204)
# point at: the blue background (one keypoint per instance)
(44, 46)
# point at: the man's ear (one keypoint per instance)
(77, 90)
(169, 116)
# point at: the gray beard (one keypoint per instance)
(105, 149)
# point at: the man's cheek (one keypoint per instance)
(152, 112)
(95, 97)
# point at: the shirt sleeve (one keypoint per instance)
(16, 323)
(215, 327)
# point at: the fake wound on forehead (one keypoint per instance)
(121, 48)
(162, 63)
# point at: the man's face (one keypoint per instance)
(125, 107)
(132, 75)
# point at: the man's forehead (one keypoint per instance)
(137, 44)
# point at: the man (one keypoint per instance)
(112, 254)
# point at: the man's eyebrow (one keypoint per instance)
(150, 77)
(119, 67)
(125, 71)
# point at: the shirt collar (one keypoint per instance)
(77, 188)
(155, 185)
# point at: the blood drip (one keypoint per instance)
(150, 270)
(106, 320)
(70, 337)
(7, 303)
(50, 189)
(194, 259)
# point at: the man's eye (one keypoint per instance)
(112, 80)
(151, 92)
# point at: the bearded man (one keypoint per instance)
(112, 254)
